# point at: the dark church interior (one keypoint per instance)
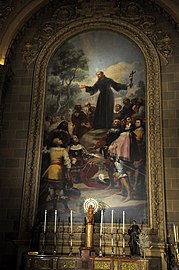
(89, 134)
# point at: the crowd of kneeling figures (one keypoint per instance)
(66, 162)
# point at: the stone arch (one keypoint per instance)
(154, 138)
(14, 26)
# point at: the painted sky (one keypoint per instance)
(111, 52)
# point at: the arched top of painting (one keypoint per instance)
(71, 58)
(110, 29)
(101, 38)
(100, 50)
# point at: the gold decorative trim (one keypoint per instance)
(128, 11)
(45, 263)
(68, 264)
(129, 266)
(143, 265)
(154, 138)
(116, 263)
(91, 201)
(102, 265)
(67, 11)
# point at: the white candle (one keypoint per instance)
(45, 221)
(112, 217)
(71, 222)
(101, 227)
(174, 231)
(177, 233)
(55, 223)
(100, 242)
(123, 222)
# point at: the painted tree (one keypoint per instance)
(69, 67)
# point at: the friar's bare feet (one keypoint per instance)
(119, 193)
(128, 198)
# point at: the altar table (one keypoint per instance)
(54, 262)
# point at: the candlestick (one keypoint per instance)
(55, 244)
(123, 233)
(112, 247)
(71, 222)
(100, 242)
(71, 245)
(174, 231)
(55, 224)
(45, 221)
(101, 234)
(100, 246)
(123, 222)
(101, 227)
(112, 217)
(123, 242)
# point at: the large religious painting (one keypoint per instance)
(94, 143)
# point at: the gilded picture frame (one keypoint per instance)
(155, 189)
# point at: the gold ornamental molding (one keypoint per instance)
(68, 264)
(154, 138)
(128, 11)
(14, 23)
(129, 265)
(102, 265)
